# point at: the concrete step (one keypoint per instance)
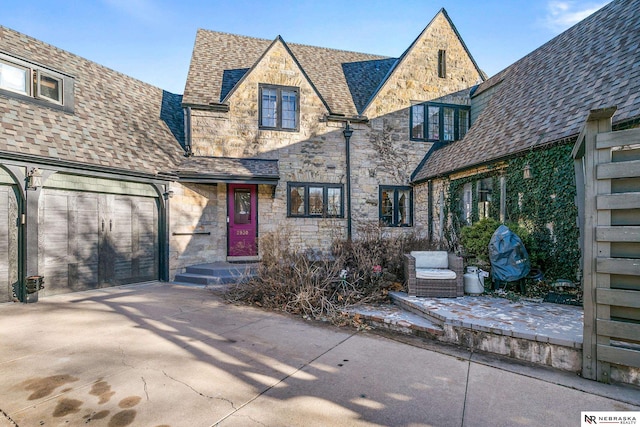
(216, 274)
(223, 269)
(399, 299)
(394, 318)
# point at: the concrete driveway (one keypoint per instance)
(159, 354)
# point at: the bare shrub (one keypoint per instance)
(322, 285)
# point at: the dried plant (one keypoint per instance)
(322, 285)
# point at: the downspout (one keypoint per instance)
(187, 132)
(347, 132)
(430, 211)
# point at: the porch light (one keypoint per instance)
(527, 174)
(34, 179)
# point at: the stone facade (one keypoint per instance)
(382, 153)
(416, 76)
(195, 212)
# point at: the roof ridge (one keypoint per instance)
(377, 56)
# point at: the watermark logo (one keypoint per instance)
(610, 418)
(590, 419)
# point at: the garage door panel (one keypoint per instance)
(101, 239)
(147, 238)
(70, 241)
(8, 243)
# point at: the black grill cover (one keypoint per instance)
(508, 256)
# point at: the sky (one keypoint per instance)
(152, 40)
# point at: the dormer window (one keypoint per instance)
(49, 87)
(14, 78)
(435, 122)
(279, 108)
(35, 83)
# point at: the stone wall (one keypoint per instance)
(416, 77)
(381, 150)
(194, 211)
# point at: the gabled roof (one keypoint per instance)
(280, 41)
(118, 122)
(345, 80)
(546, 96)
(393, 67)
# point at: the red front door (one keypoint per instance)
(243, 220)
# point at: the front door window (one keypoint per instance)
(242, 205)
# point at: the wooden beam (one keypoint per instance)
(618, 297)
(618, 138)
(629, 266)
(618, 233)
(628, 169)
(619, 356)
(629, 200)
(619, 330)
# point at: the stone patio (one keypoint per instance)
(537, 332)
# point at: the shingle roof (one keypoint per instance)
(228, 169)
(119, 122)
(546, 96)
(220, 60)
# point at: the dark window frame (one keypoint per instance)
(442, 64)
(279, 89)
(325, 187)
(395, 214)
(425, 122)
(34, 92)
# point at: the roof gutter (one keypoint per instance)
(17, 159)
(212, 106)
(565, 140)
(341, 118)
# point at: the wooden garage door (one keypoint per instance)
(92, 240)
(8, 243)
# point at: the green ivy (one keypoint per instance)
(541, 208)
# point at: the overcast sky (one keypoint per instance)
(152, 40)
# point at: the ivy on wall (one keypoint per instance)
(541, 206)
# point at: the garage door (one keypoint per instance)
(8, 243)
(91, 240)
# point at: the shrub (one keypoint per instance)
(475, 238)
(324, 285)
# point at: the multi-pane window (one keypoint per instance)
(463, 123)
(269, 107)
(448, 125)
(417, 126)
(279, 107)
(29, 81)
(444, 122)
(396, 206)
(485, 190)
(478, 193)
(466, 201)
(314, 200)
(433, 124)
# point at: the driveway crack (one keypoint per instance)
(199, 392)
(146, 392)
(8, 418)
(284, 379)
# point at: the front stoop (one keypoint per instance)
(217, 274)
(491, 325)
